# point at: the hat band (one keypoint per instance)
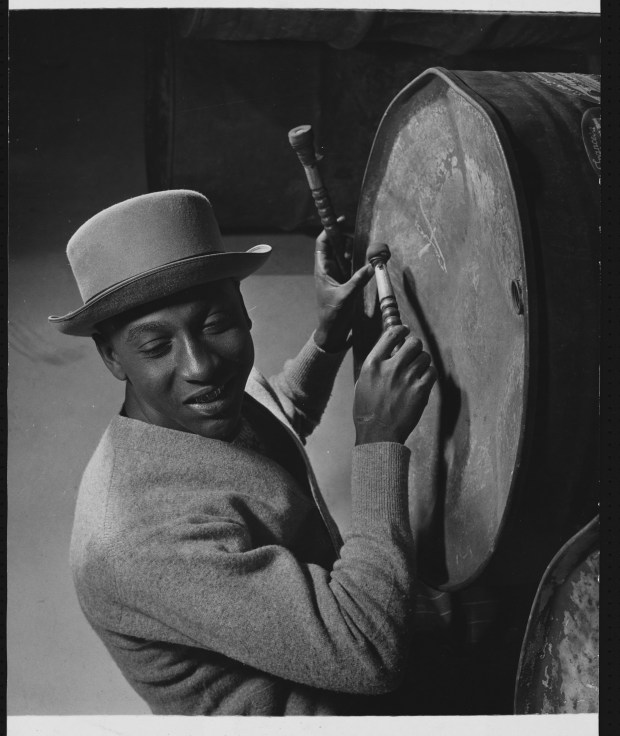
(144, 273)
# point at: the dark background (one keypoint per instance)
(105, 105)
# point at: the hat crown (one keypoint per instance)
(141, 234)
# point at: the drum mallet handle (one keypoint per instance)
(378, 255)
(301, 139)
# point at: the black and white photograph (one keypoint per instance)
(303, 385)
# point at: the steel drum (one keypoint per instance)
(559, 664)
(481, 185)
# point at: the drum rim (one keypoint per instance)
(529, 286)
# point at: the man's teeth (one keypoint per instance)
(211, 396)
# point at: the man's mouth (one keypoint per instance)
(209, 394)
(206, 397)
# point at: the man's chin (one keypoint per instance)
(218, 429)
(218, 420)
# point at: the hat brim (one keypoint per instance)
(160, 282)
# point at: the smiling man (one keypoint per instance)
(203, 553)
(186, 359)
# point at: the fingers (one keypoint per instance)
(386, 343)
(322, 243)
(410, 349)
(324, 251)
(420, 364)
(361, 277)
(415, 361)
(326, 265)
(430, 376)
(407, 353)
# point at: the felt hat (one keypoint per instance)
(147, 248)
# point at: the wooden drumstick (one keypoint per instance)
(378, 255)
(301, 139)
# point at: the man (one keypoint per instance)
(203, 554)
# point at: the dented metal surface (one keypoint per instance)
(454, 236)
(480, 185)
(559, 665)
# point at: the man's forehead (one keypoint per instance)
(198, 300)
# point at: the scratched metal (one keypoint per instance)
(454, 236)
(559, 665)
(488, 277)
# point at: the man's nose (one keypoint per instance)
(197, 362)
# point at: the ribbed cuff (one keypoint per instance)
(380, 472)
(313, 366)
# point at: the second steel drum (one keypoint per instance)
(481, 185)
(559, 664)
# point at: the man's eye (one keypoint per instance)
(155, 348)
(216, 325)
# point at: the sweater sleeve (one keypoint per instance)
(203, 583)
(305, 384)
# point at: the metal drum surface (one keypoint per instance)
(559, 664)
(481, 185)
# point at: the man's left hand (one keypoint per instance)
(335, 300)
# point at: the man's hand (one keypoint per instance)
(335, 300)
(392, 390)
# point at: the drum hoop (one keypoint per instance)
(526, 434)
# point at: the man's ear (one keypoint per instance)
(109, 356)
(247, 317)
(245, 311)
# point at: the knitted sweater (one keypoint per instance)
(218, 581)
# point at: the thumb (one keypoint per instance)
(361, 277)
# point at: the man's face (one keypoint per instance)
(186, 360)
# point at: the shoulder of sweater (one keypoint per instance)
(136, 484)
(261, 390)
(133, 454)
(258, 386)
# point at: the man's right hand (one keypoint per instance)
(392, 390)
